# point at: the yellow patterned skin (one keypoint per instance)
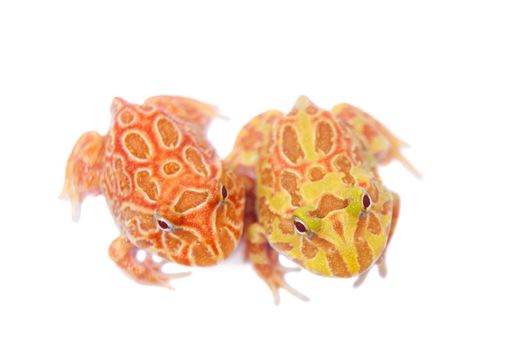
(319, 199)
(167, 189)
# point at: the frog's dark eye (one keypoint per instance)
(300, 227)
(163, 223)
(224, 192)
(367, 202)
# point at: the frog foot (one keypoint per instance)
(361, 278)
(275, 280)
(153, 273)
(147, 271)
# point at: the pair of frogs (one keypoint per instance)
(304, 185)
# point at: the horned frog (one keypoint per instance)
(169, 193)
(318, 197)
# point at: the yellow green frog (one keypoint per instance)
(314, 193)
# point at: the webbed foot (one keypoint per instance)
(147, 271)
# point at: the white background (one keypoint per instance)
(447, 77)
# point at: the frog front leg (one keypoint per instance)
(382, 144)
(381, 261)
(148, 271)
(265, 261)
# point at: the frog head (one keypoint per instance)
(341, 233)
(202, 221)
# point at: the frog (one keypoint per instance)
(169, 193)
(317, 197)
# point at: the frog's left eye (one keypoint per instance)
(163, 223)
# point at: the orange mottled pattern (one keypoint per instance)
(167, 190)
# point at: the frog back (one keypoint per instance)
(308, 151)
(156, 163)
(148, 151)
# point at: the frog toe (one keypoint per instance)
(148, 271)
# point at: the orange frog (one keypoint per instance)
(318, 198)
(167, 190)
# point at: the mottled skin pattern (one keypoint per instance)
(319, 199)
(167, 190)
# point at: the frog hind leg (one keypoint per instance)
(383, 145)
(83, 170)
(198, 115)
(147, 271)
(265, 261)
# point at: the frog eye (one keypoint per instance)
(163, 223)
(300, 227)
(224, 192)
(367, 202)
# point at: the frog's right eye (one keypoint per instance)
(224, 192)
(300, 227)
(367, 202)
(163, 223)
